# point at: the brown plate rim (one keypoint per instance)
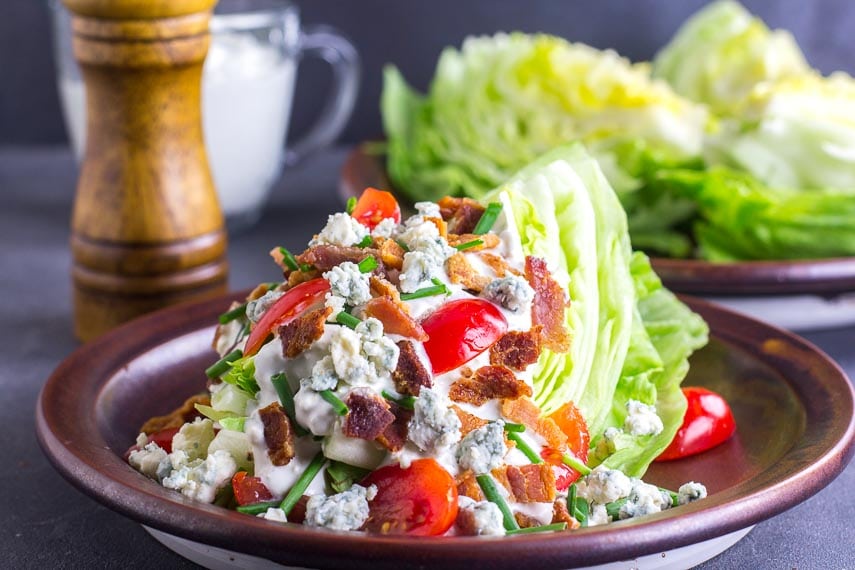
(826, 277)
(67, 431)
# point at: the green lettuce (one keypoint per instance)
(721, 53)
(631, 337)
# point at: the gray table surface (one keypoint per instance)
(47, 523)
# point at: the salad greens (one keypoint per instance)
(631, 337)
(727, 122)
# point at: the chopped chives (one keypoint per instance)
(289, 259)
(302, 483)
(524, 447)
(544, 528)
(404, 246)
(675, 498)
(518, 428)
(469, 244)
(407, 402)
(613, 508)
(346, 319)
(257, 508)
(334, 401)
(351, 204)
(236, 313)
(577, 506)
(286, 398)
(367, 265)
(366, 241)
(491, 493)
(221, 366)
(574, 463)
(431, 291)
(488, 218)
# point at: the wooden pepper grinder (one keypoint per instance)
(147, 230)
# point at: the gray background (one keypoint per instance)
(411, 35)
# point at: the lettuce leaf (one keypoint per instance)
(631, 337)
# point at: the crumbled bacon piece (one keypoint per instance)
(465, 522)
(302, 332)
(462, 214)
(498, 264)
(488, 383)
(460, 271)
(468, 422)
(186, 412)
(300, 276)
(298, 512)
(410, 374)
(391, 253)
(524, 411)
(490, 241)
(516, 349)
(259, 292)
(547, 309)
(440, 224)
(394, 437)
(325, 257)
(526, 521)
(467, 486)
(560, 514)
(380, 287)
(527, 483)
(394, 317)
(368, 415)
(278, 434)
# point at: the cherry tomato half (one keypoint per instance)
(708, 422)
(570, 421)
(418, 501)
(164, 438)
(461, 330)
(249, 490)
(375, 206)
(564, 474)
(286, 308)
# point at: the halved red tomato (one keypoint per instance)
(461, 330)
(285, 309)
(708, 422)
(420, 500)
(249, 490)
(375, 206)
(164, 438)
(570, 421)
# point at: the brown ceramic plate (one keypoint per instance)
(793, 407)
(826, 277)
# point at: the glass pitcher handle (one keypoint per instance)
(328, 44)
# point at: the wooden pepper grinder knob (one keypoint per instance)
(146, 230)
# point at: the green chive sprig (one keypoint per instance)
(368, 264)
(575, 464)
(488, 218)
(351, 204)
(222, 366)
(407, 402)
(302, 483)
(289, 259)
(236, 313)
(491, 493)
(334, 401)
(469, 244)
(404, 246)
(577, 506)
(512, 427)
(286, 398)
(366, 241)
(543, 528)
(524, 447)
(346, 319)
(257, 508)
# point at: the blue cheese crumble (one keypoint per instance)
(344, 511)
(691, 492)
(385, 229)
(428, 209)
(256, 309)
(201, 479)
(434, 425)
(604, 485)
(148, 459)
(644, 499)
(512, 292)
(641, 419)
(482, 449)
(349, 283)
(417, 270)
(341, 229)
(380, 350)
(486, 517)
(323, 375)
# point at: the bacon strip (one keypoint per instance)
(368, 415)
(302, 332)
(497, 263)
(391, 253)
(516, 349)
(488, 383)
(547, 309)
(524, 411)
(460, 271)
(395, 318)
(462, 214)
(380, 287)
(278, 434)
(410, 374)
(300, 276)
(178, 417)
(490, 240)
(527, 483)
(394, 437)
(560, 514)
(325, 257)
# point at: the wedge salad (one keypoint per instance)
(490, 367)
(728, 146)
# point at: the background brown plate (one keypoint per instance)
(793, 407)
(828, 277)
